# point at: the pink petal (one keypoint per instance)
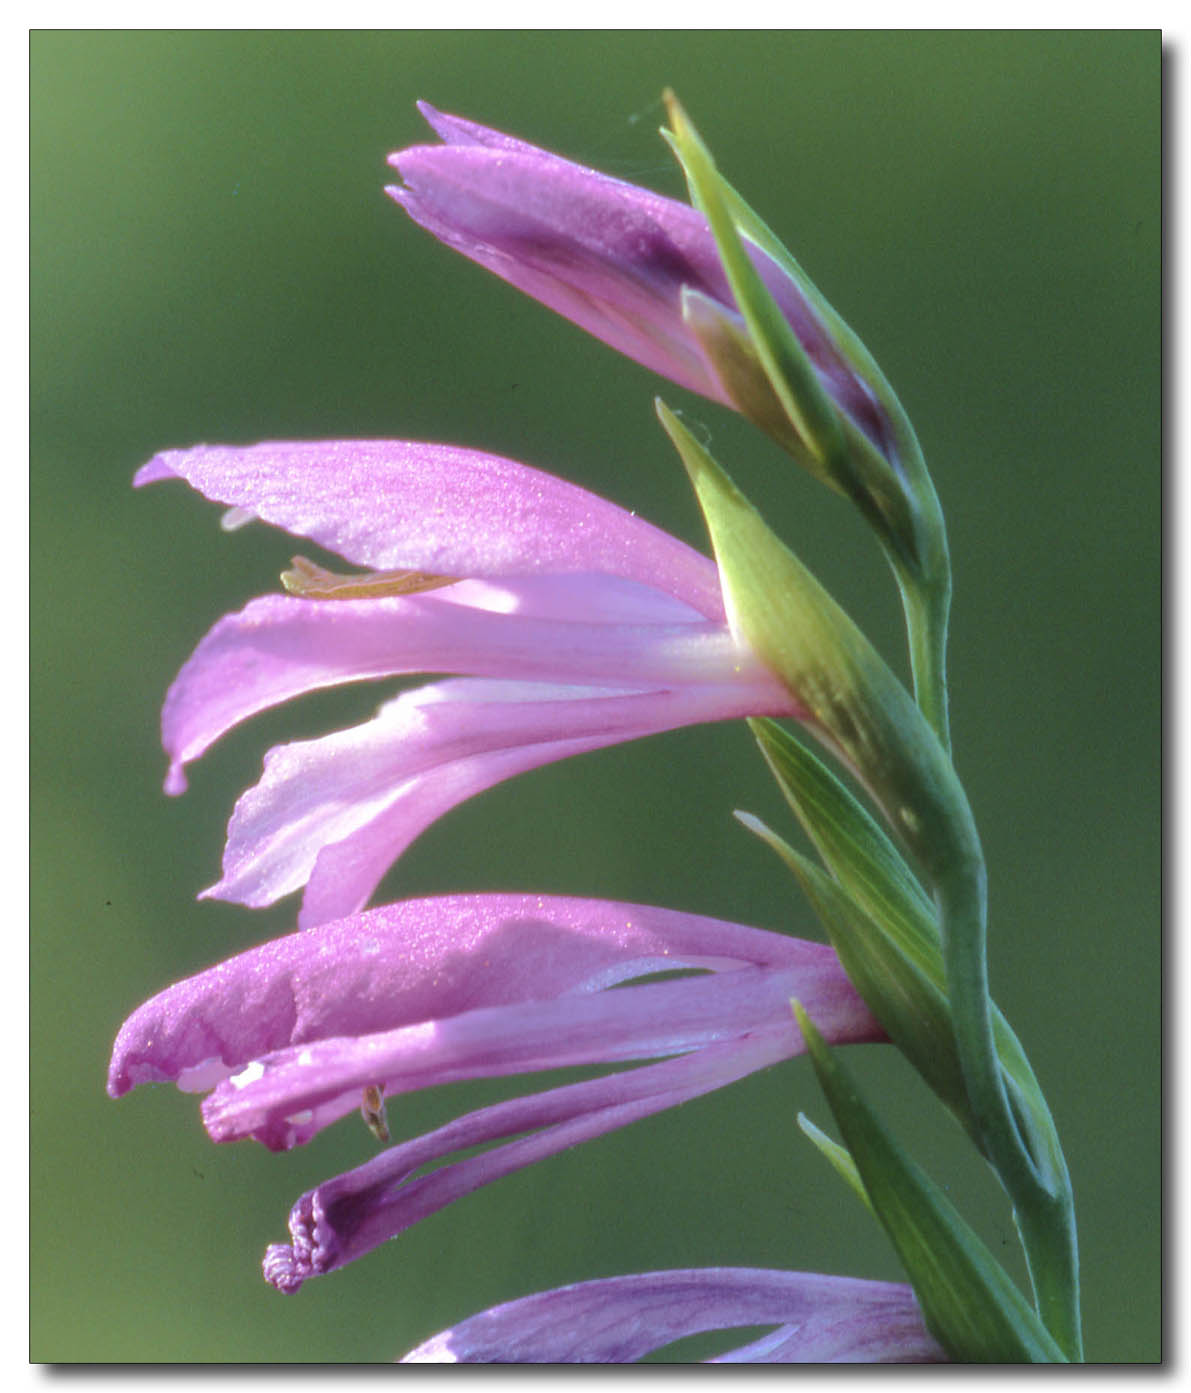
(279, 647)
(280, 1099)
(610, 257)
(366, 793)
(455, 130)
(348, 1216)
(415, 961)
(393, 504)
(830, 1320)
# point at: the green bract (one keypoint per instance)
(910, 1006)
(776, 384)
(851, 701)
(839, 1158)
(856, 708)
(827, 441)
(887, 902)
(969, 1303)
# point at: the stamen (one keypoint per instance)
(312, 582)
(372, 1110)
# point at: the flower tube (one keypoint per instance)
(572, 625)
(290, 1036)
(618, 1320)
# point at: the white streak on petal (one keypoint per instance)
(254, 1071)
(203, 1076)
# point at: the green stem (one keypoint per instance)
(1019, 1141)
(926, 602)
(1054, 1267)
(1029, 1165)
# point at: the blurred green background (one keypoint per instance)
(213, 260)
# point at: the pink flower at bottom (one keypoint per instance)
(291, 1036)
(617, 1320)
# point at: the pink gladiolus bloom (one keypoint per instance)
(572, 623)
(820, 1319)
(613, 258)
(291, 1034)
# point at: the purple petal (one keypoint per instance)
(416, 961)
(455, 130)
(279, 647)
(621, 1319)
(307, 1082)
(339, 810)
(347, 1217)
(393, 504)
(610, 256)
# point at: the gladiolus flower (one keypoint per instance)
(573, 623)
(292, 1035)
(618, 1320)
(618, 260)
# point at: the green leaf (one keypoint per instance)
(790, 371)
(912, 1009)
(840, 1158)
(968, 1301)
(833, 446)
(875, 877)
(848, 699)
(730, 347)
(847, 696)
(885, 477)
(752, 226)
(853, 845)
